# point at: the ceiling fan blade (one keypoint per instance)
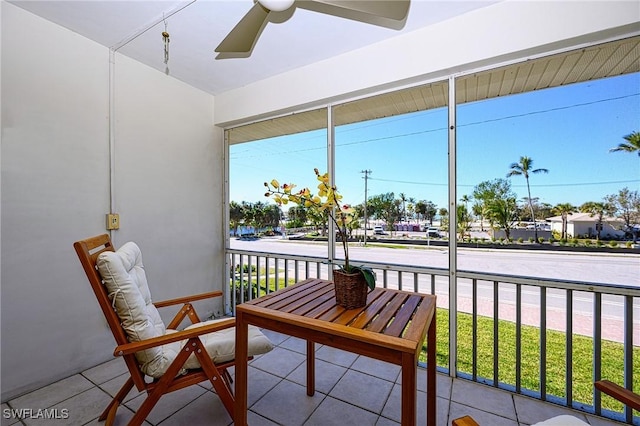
(390, 9)
(245, 34)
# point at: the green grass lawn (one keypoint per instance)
(612, 362)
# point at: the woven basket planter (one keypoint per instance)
(351, 289)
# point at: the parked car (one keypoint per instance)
(377, 230)
(433, 232)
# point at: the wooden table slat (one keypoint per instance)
(326, 300)
(373, 309)
(416, 330)
(278, 303)
(324, 308)
(283, 292)
(336, 312)
(362, 316)
(388, 313)
(403, 316)
(306, 301)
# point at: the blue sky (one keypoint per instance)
(567, 130)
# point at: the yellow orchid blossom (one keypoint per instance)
(328, 199)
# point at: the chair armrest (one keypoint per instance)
(133, 347)
(464, 421)
(620, 393)
(187, 299)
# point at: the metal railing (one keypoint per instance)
(564, 316)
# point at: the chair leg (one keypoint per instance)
(217, 378)
(110, 412)
(163, 384)
(227, 377)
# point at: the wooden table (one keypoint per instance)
(391, 328)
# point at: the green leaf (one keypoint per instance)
(369, 276)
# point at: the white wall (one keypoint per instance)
(55, 190)
(505, 31)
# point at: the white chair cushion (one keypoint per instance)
(123, 274)
(563, 420)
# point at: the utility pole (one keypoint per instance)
(366, 177)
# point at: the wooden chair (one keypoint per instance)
(192, 343)
(632, 400)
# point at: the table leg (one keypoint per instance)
(431, 373)
(311, 368)
(409, 392)
(242, 336)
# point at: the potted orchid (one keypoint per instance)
(328, 200)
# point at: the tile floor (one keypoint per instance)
(350, 390)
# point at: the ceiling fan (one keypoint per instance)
(242, 38)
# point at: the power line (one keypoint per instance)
(515, 186)
(475, 123)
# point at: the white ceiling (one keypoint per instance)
(197, 27)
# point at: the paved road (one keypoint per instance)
(589, 268)
(594, 268)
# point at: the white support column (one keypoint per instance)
(331, 169)
(453, 225)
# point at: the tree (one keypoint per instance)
(427, 209)
(235, 215)
(564, 210)
(487, 191)
(632, 145)
(421, 209)
(464, 220)
(319, 218)
(297, 216)
(465, 199)
(387, 208)
(502, 211)
(478, 211)
(403, 200)
(271, 216)
(545, 210)
(597, 209)
(626, 205)
(524, 168)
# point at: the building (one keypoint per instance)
(581, 225)
(80, 140)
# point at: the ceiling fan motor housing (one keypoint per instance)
(276, 5)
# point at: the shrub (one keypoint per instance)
(245, 268)
(574, 241)
(599, 243)
(587, 243)
(531, 239)
(520, 240)
(628, 244)
(613, 243)
(541, 240)
(551, 240)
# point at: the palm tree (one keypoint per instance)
(632, 145)
(502, 211)
(564, 210)
(524, 167)
(403, 199)
(597, 209)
